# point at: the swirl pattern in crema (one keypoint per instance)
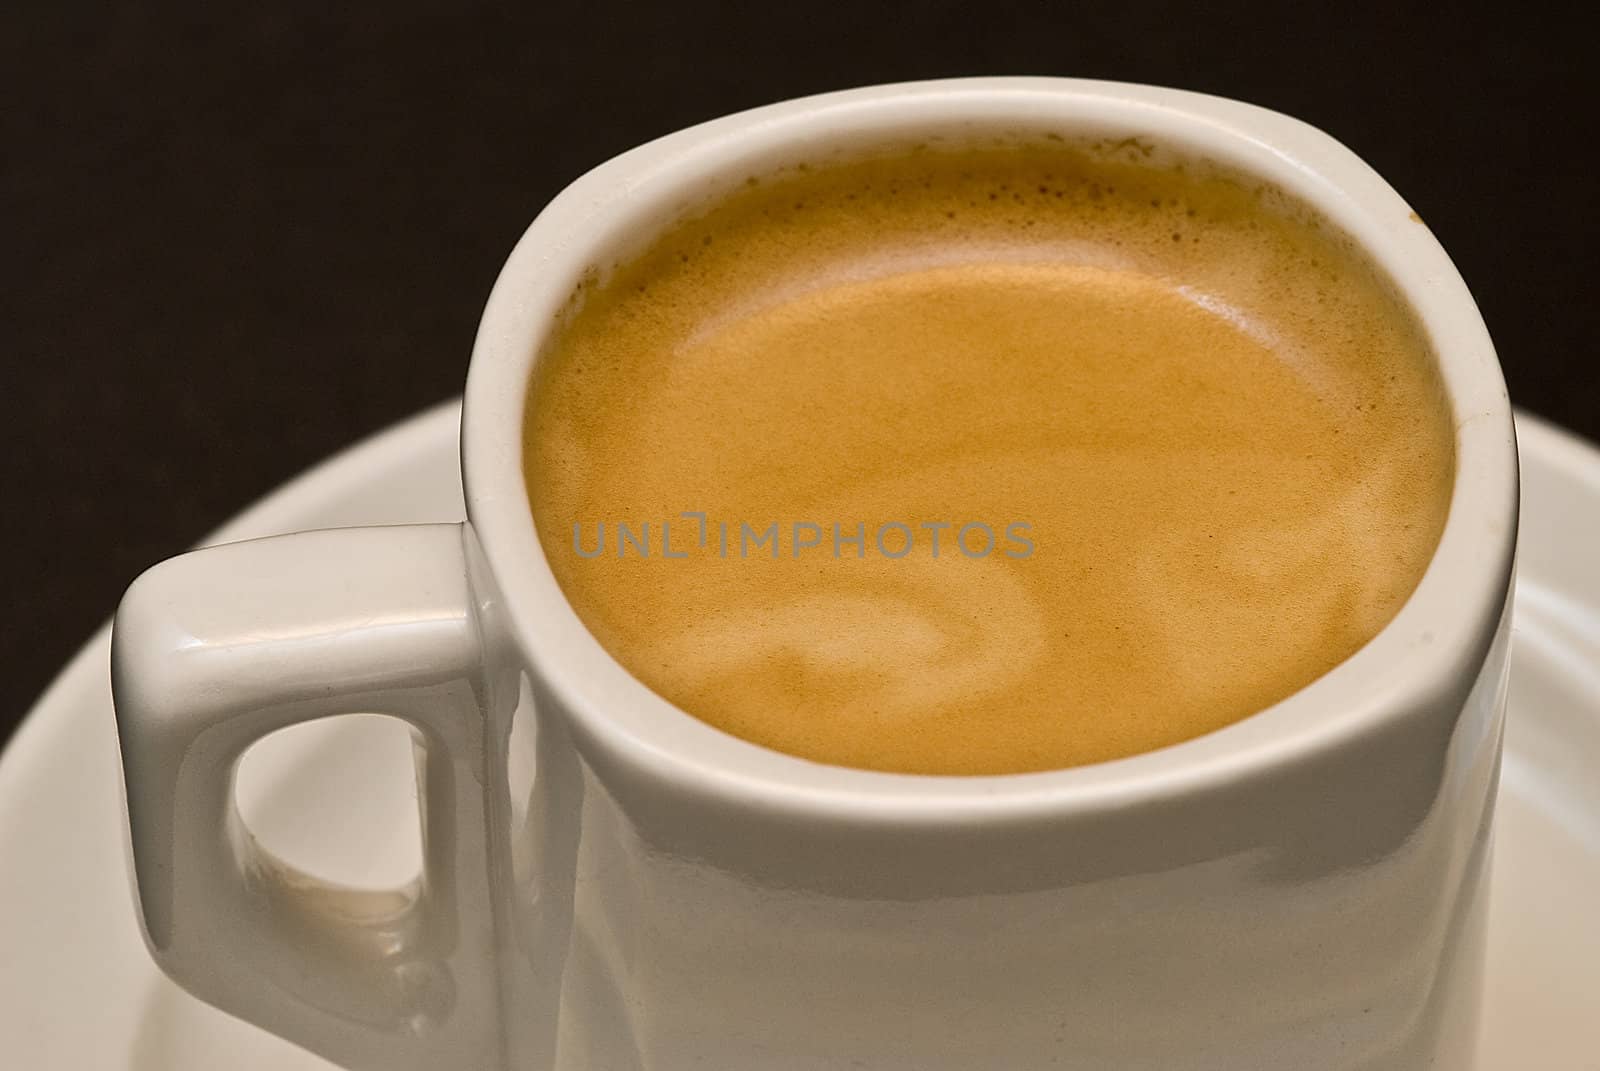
(1222, 433)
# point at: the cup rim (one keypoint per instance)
(1422, 661)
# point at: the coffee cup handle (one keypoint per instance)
(215, 649)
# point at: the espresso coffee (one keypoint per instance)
(988, 458)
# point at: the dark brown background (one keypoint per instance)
(234, 241)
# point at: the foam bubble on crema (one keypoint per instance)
(1224, 431)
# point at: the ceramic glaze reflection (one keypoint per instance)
(622, 886)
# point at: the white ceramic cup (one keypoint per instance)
(611, 885)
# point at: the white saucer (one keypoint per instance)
(77, 989)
